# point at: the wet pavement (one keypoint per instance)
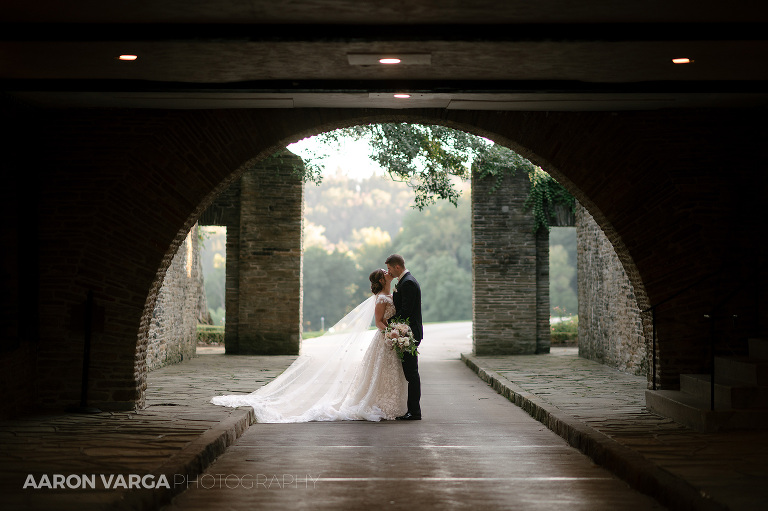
(473, 449)
(602, 412)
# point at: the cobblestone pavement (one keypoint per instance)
(606, 412)
(178, 432)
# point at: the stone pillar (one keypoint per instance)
(543, 338)
(232, 279)
(506, 307)
(269, 262)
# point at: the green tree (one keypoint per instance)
(427, 156)
(446, 288)
(437, 246)
(440, 228)
(343, 205)
(561, 275)
(368, 257)
(213, 260)
(565, 236)
(328, 288)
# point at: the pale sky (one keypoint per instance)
(352, 157)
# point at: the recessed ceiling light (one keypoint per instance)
(682, 60)
(401, 96)
(128, 57)
(377, 59)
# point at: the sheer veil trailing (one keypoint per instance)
(314, 387)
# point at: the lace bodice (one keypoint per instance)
(389, 311)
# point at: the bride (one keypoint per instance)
(347, 374)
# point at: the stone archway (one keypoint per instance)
(510, 263)
(117, 192)
(519, 325)
(556, 142)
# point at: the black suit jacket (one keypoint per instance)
(407, 298)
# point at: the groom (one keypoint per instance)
(407, 298)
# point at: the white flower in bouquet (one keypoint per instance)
(399, 337)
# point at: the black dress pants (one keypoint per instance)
(411, 371)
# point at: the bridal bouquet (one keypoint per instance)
(399, 337)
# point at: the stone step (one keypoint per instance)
(694, 412)
(744, 370)
(758, 349)
(727, 394)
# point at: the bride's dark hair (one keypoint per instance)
(375, 277)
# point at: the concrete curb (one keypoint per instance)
(640, 473)
(190, 462)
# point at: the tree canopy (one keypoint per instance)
(436, 245)
(429, 158)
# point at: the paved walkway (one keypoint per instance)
(473, 450)
(460, 447)
(602, 412)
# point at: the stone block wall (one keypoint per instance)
(543, 339)
(269, 267)
(180, 306)
(510, 311)
(263, 214)
(610, 326)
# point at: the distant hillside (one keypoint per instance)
(342, 205)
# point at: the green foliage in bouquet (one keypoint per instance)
(399, 337)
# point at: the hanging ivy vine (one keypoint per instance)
(426, 156)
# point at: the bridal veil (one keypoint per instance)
(314, 386)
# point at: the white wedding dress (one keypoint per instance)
(347, 375)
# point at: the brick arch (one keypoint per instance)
(118, 190)
(357, 118)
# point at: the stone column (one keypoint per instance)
(505, 251)
(269, 266)
(232, 281)
(543, 338)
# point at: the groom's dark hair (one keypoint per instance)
(395, 260)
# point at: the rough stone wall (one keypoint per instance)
(180, 306)
(610, 326)
(510, 311)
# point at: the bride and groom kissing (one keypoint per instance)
(330, 381)
(407, 302)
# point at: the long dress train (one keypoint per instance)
(331, 382)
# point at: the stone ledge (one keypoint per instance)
(189, 462)
(629, 465)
